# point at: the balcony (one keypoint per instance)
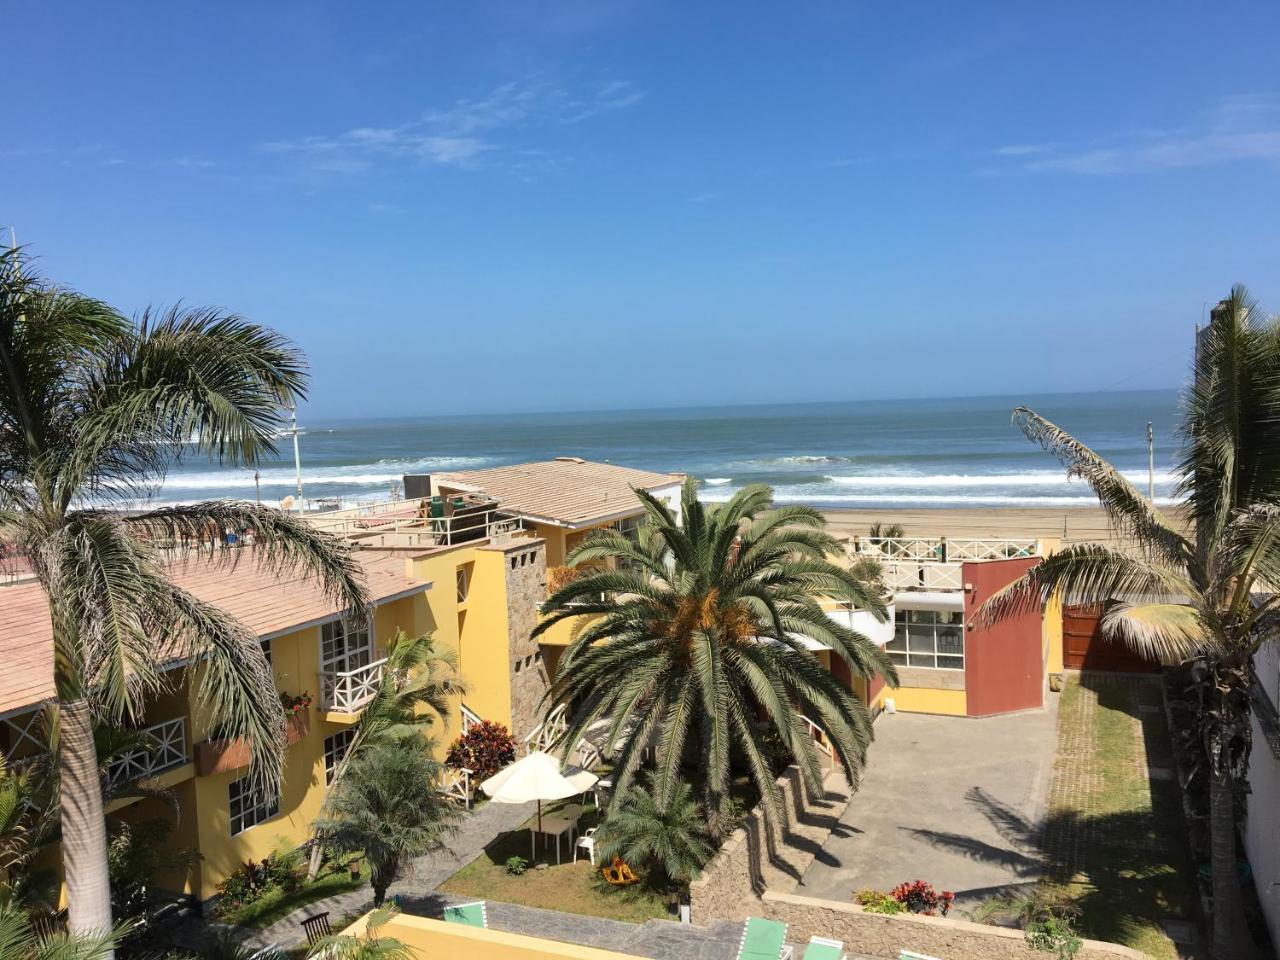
(169, 750)
(935, 563)
(347, 691)
(424, 523)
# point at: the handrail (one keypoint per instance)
(346, 691)
(945, 549)
(170, 750)
(819, 738)
(545, 734)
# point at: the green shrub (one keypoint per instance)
(1054, 933)
(516, 866)
(873, 901)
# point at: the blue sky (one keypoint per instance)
(535, 206)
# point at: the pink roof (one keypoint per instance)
(265, 602)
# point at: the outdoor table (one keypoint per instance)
(556, 827)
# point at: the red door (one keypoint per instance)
(1084, 647)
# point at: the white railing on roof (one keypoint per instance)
(169, 749)
(346, 691)
(903, 575)
(409, 523)
(944, 549)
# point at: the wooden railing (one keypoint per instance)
(346, 691)
(169, 750)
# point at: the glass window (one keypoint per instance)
(345, 646)
(928, 638)
(335, 748)
(248, 807)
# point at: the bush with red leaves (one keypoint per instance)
(484, 750)
(920, 897)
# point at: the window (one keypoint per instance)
(335, 748)
(928, 638)
(344, 646)
(266, 652)
(249, 808)
(464, 582)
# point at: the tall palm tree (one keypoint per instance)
(417, 683)
(93, 408)
(388, 806)
(1213, 597)
(703, 627)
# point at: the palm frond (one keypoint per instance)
(1170, 633)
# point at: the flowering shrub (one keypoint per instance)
(295, 705)
(484, 749)
(873, 901)
(253, 878)
(920, 897)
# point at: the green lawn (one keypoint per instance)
(1115, 837)
(569, 887)
(276, 904)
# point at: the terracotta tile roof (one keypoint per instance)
(265, 602)
(565, 491)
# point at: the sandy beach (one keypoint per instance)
(1071, 525)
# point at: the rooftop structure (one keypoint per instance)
(566, 492)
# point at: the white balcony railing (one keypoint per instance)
(944, 549)
(169, 749)
(346, 691)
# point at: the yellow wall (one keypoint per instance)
(1053, 634)
(922, 700)
(428, 939)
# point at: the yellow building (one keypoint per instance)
(467, 565)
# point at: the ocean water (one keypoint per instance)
(882, 453)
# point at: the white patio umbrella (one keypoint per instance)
(537, 777)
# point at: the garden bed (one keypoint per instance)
(570, 887)
(277, 903)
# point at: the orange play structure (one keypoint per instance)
(618, 873)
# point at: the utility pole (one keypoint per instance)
(257, 486)
(1151, 464)
(297, 455)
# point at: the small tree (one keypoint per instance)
(370, 946)
(388, 807)
(671, 841)
(484, 749)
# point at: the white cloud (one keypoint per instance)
(491, 129)
(1242, 128)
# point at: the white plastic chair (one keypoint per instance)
(586, 842)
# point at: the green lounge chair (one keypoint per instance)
(470, 914)
(763, 940)
(820, 948)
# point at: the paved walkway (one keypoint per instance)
(951, 800)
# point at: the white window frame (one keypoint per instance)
(904, 654)
(254, 808)
(335, 750)
(464, 582)
(352, 658)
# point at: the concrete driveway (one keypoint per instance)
(951, 800)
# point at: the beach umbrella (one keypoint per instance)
(537, 777)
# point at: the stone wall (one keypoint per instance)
(525, 566)
(884, 935)
(758, 855)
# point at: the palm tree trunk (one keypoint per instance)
(1227, 733)
(1231, 938)
(84, 826)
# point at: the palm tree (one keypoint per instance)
(93, 408)
(417, 683)
(1210, 598)
(18, 941)
(371, 946)
(702, 629)
(671, 837)
(388, 807)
